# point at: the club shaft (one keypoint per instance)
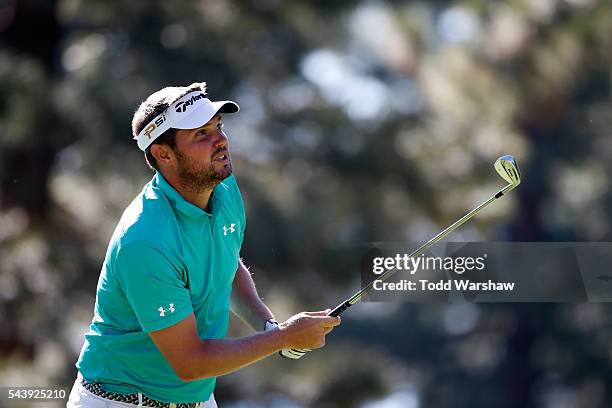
(357, 296)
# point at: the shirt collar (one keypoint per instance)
(185, 206)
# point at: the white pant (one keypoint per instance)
(81, 398)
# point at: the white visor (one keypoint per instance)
(189, 112)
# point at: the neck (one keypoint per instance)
(199, 199)
(196, 196)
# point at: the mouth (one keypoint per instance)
(224, 158)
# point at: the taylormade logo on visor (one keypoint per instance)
(182, 106)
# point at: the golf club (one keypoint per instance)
(506, 167)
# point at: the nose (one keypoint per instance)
(221, 139)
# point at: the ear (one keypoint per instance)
(163, 154)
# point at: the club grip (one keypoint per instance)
(339, 309)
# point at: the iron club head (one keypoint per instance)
(508, 169)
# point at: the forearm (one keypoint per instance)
(246, 302)
(193, 358)
(213, 358)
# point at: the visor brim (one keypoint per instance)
(203, 113)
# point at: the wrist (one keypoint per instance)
(276, 335)
(270, 324)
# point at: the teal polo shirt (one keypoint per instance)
(166, 259)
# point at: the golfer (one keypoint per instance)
(173, 272)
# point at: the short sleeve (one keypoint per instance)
(153, 286)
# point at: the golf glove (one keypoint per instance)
(272, 324)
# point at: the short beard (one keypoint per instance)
(200, 179)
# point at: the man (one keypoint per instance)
(172, 271)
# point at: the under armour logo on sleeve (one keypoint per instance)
(162, 311)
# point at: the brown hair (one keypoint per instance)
(155, 104)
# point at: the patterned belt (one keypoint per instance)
(96, 389)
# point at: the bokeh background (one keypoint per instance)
(361, 121)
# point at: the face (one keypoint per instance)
(202, 156)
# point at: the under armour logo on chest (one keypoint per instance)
(230, 229)
(162, 311)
